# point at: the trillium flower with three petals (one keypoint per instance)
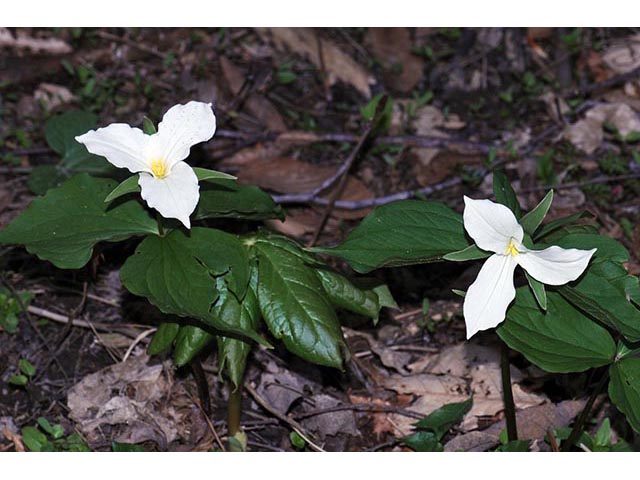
(166, 182)
(495, 228)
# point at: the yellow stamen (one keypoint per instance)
(512, 249)
(159, 168)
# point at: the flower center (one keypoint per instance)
(159, 168)
(512, 249)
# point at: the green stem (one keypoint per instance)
(160, 225)
(235, 410)
(507, 394)
(578, 426)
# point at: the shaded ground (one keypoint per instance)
(556, 107)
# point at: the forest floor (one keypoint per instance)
(556, 107)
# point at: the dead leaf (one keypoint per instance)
(339, 65)
(26, 44)
(533, 424)
(258, 105)
(402, 70)
(52, 96)
(587, 134)
(389, 357)
(623, 56)
(381, 423)
(131, 395)
(331, 423)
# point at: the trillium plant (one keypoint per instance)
(571, 307)
(210, 285)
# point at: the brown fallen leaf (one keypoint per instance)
(25, 44)
(339, 65)
(131, 395)
(623, 56)
(402, 70)
(258, 105)
(331, 423)
(51, 96)
(533, 424)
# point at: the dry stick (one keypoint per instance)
(289, 421)
(342, 179)
(507, 393)
(361, 407)
(578, 426)
(104, 327)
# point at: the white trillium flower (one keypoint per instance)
(166, 182)
(495, 228)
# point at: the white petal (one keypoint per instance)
(175, 196)
(555, 265)
(121, 144)
(182, 127)
(488, 298)
(490, 224)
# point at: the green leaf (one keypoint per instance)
(233, 352)
(226, 199)
(423, 442)
(204, 175)
(11, 307)
(130, 185)
(514, 446)
(64, 225)
(602, 293)
(148, 127)
(176, 273)
(163, 338)
(538, 291)
(402, 233)
(295, 308)
(560, 340)
(624, 389)
(45, 177)
(603, 435)
(126, 447)
(504, 193)
(532, 220)
(297, 441)
(18, 380)
(35, 440)
(472, 252)
(559, 223)
(56, 431)
(60, 132)
(441, 420)
(189, 342)
(344, 294)
(26, 367)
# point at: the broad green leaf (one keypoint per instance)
(35, 440)
(560, 340)
(60, 133)
(624, 389)
(550, 227)
(504, 193)
(402, 233)
(130, 185)
(176, 273)
(602, 293)
(56, 431)
(344, 294)
(295, 308)
(189, 342)
(45, 177)
(423, 442)
(285, 243)
(220, 198)
(163, 338)
(472, 252)
(233, 352)
(532, 220)
(441, 420)
(64, 225)
(602, 437)
(204, 175)
(538, 291)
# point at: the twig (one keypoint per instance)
(136, 341)
(341, 174)
(209, 423)
(361, 407)
(611, 82)
(104, 327)
(289, 421)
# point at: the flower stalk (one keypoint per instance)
(507, 394)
